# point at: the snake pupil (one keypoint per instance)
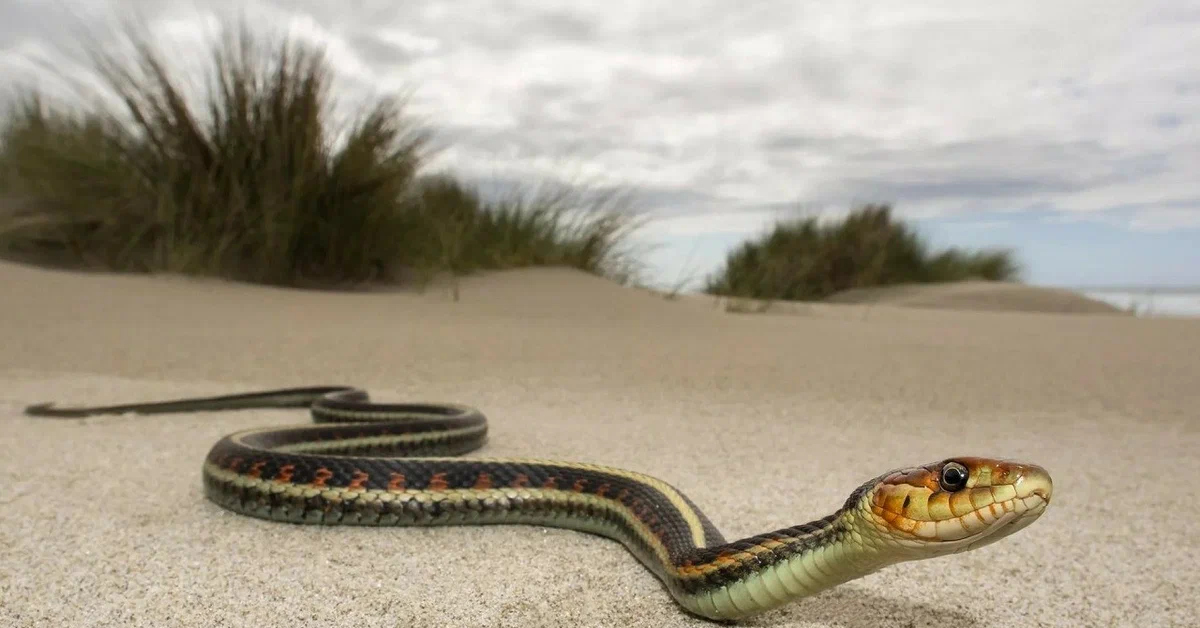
(954, 476)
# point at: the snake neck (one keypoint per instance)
(765, 571)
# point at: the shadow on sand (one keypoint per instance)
(849, 607)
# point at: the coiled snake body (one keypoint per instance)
(373, 464)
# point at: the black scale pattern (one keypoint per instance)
(647, 504)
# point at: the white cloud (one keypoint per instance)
(747, 223)
(408, 41)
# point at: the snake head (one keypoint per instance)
(955, 504)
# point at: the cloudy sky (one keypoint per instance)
(1067, 130)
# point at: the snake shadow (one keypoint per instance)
(850, 607)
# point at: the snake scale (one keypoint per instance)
(374, 464)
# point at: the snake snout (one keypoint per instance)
(1034, 481)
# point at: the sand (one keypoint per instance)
(994, 296)
(764, 420)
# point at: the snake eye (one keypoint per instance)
(954, 476)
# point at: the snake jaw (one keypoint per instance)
(914, 510)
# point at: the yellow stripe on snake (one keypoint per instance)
(396, 465)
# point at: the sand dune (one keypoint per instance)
(979, 295)
(765, 421)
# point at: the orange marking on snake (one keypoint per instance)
(234, 464)
(578, 485)
(358, 482)
(397, 482)
(484, 481)
(550, 482)
(321, 476)
(696, 571)
(602, 490)
(438, 482)
(520, 481)
(256, 468)
(285, 473)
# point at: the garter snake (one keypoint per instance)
(374, 464)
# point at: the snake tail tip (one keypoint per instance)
(48, 410)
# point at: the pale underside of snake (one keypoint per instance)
(374, 464)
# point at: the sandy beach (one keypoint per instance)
(764, 420)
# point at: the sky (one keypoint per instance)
(1067, 131)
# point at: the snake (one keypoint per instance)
(364, 463)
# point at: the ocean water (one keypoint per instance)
(1151, 301)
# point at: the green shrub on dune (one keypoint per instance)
(807, 259)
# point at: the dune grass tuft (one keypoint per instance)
(806, 259)
(552, 224)
(256, 183)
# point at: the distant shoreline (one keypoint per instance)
(1163, 289)
(1149, 302)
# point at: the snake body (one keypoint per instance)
(372, 464)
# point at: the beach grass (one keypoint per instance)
(808, 259)
(254, 180)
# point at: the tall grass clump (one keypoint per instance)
(247, 185)
(537, 225)
(252, 180)
(806, 259)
